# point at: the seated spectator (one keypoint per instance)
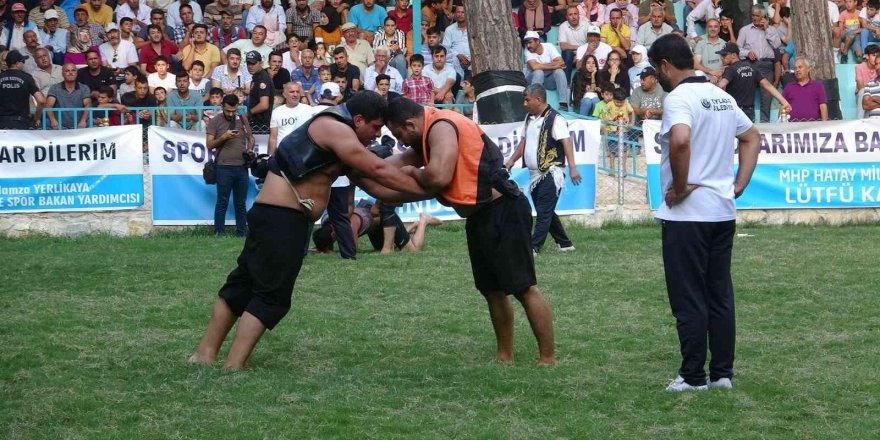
(227, 32)
(125, 30)
(402, 15)
(545, 67)
(281, 76)
(127, 85)
(342, 83)
(572, 35)
(182, 96)
(37, 15)
(359, 51)
(291, 58)
(806, 96)
(368, 18)
(68, 94)
(29, 50)
(342, 67)
(214, 13)
(54, 38)
(467, 96)
(161, 116)
(200, 50)
(432, 40)
(395, 41)
(46, 74)
(175, 15)
(302, 20)
(116, 53)
(653, 29)
(324, 77)
(231, 75)
(157, 18)
(381, 67)
(455, 40)
(322, 57)
(585, 86)
(594, 47)
(108, 118)
(592, 12)
(76, 53)
(704, 11)
(197, 80)
(629, 14)
(332, 19)
(867, 70)
(666, 6)
(534, 16)
(158, 46)
(96, 33)
(14, 30)
(442, 76)
(265, 12)
(606, 93)
(417, 87)
(727, 34)
(706, 58)
(183, 26)
(614, 74)
(850, 29)
(99, 13)
(616, 33)
(137, 11)
(870, 22)
(162, 76)
(639, 56)
(215, 99)
(257, 42)
(307, 74)
(383, 87)
(647, 100)
(95, 76)
(741, 80)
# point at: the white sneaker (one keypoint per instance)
(723, 383)
(566, 249)
(678, 384)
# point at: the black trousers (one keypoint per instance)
(696, 259)
(337, 210)
(545, 197)
(767, 70)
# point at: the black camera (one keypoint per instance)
(258, 164)
(385, 148)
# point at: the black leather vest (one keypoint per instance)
(298, 155)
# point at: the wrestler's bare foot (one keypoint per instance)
(430, 220)
(386, 251)
(198, 359)
(547, 362)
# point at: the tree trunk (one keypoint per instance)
(812, 36)
(494, 41)
(813, 41)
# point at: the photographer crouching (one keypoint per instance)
(229, 135)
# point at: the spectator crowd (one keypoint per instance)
(122, 54)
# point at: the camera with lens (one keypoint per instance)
(385, 148)
(258, 164)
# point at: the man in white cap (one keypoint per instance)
(545, 67)
(572, 35)
(330, 94)
(38, 16)
(53, 35)
(116, 53)
(594, 47)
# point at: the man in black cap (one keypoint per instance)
(647, 100)
(18, 87)
(262, 93)
(741, 80)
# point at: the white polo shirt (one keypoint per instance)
(548, 54)
(287, 119)
(715, 120)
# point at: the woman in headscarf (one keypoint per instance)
(76, 53)
(331, 19)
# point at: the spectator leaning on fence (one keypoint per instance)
(68, 94)
(806, 96)
(182, 96)
(139, 97)
(18, 88)
(545, 147)
(545, 67)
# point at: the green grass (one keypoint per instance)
(95, 332)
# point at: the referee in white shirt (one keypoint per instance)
(699, 213)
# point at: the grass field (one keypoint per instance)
(95, 333)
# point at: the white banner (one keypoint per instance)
(826, 164)
(71, 170)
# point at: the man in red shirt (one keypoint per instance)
(157, 45)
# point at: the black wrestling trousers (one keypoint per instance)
(696, 260)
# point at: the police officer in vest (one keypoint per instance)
(17, 87)
(546, 145)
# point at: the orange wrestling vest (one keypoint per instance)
(478, 159)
